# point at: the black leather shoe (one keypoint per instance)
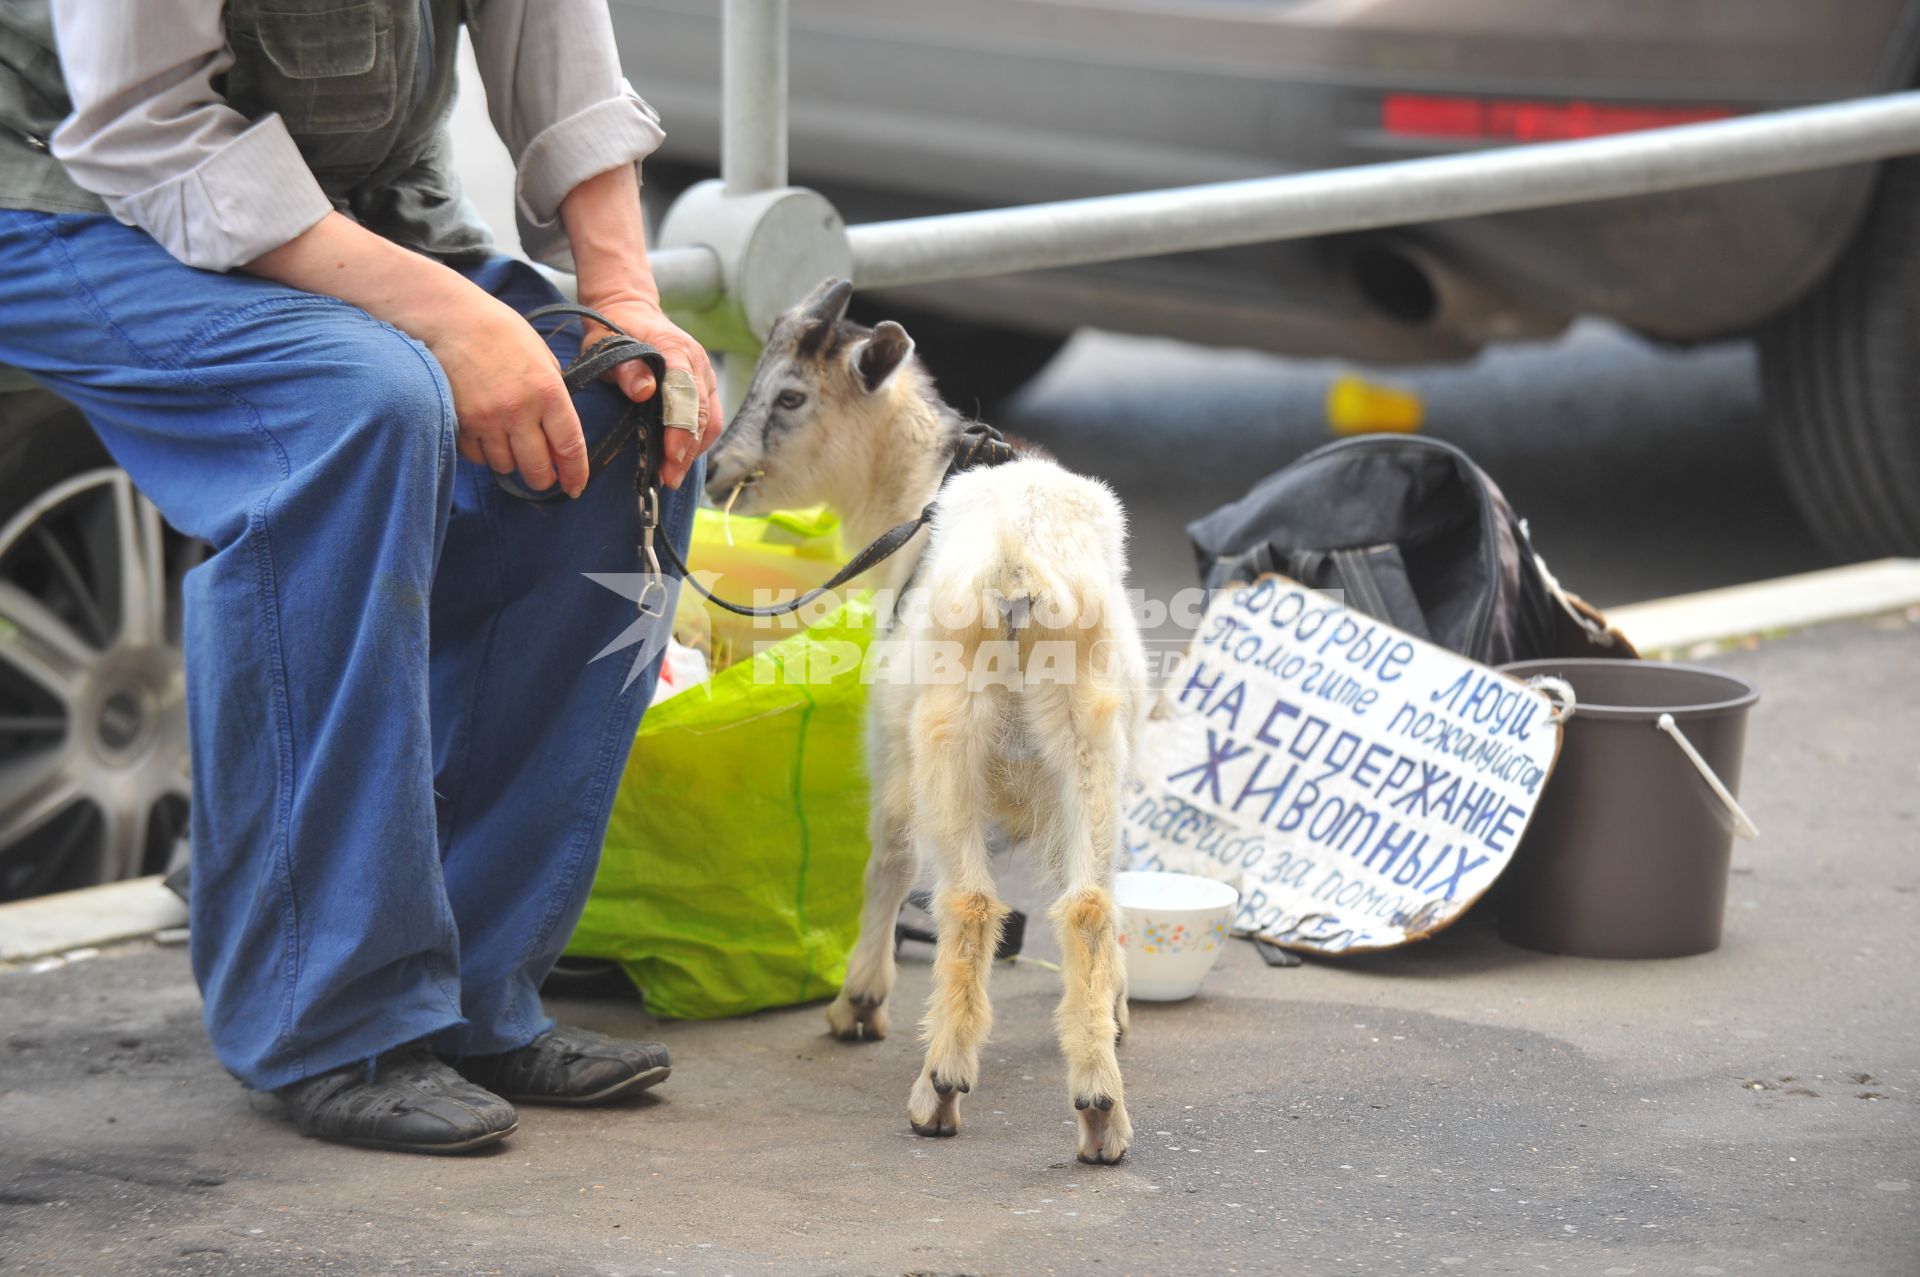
(570, 1066)
(411, 1103)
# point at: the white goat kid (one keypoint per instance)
(1022, 577)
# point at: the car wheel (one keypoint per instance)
(976, 368)
(1842, 376)
(93, 731)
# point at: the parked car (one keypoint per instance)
(903, 107)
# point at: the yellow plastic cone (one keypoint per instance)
(1359, 407)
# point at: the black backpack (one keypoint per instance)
(1416, 535)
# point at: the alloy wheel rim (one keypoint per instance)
(94, 776)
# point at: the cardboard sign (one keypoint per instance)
(1360, 786)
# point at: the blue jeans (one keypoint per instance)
(404, 755)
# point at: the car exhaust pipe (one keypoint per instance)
(1395, 283)
(1411, 286)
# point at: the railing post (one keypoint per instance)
(753, 78)
(753, 127)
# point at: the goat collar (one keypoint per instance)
(979, 446)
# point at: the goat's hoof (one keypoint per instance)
(934, 1106)
(943, 1123)
(853, 1019)
(941, 1086)
(1105, 1129)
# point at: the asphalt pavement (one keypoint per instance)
(1457, 1106)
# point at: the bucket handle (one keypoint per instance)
(1742, 824)
(1559, 692)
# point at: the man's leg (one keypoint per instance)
(531, 731)
(312, 446)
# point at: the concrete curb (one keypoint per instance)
(1685, 622)
(46, 926)
(36, 931)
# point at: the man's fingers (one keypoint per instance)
(636, 380)
(566, 444)
(684, 447)
(470, 448)
(531, 457)
(499, 453)
(683, 450)
(713, 425)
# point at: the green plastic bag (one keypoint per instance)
(731, 876)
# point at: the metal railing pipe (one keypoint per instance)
(688, 278)
(1110, 228)
(753, 82)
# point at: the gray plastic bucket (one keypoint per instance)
(1630, 847)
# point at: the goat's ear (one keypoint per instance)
(881, 355)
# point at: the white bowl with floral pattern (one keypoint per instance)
(1172, 929)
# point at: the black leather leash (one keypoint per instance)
(644, 423)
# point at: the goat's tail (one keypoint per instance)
(1006, 592)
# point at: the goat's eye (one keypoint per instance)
(791, 399)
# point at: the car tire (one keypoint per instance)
(93, 741)
(1841, 371)
(43, 439)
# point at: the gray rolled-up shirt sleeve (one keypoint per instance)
(559, 102)
(152, 138)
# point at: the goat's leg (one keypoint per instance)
(861, 1009)
(954, 730)
(1082, 735)
(959, 1017)
(1088, 1027)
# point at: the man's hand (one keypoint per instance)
(508, 397)
(602, 216)
(641, 317)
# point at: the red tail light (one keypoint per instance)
(1511, 119)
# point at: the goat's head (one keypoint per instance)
(824, 387)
